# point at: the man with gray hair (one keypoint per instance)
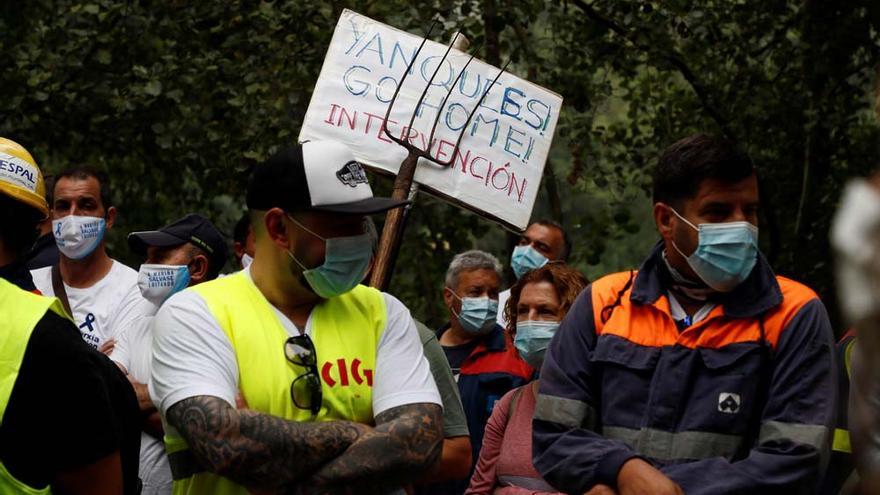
(483, 359)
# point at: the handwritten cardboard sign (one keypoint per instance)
(497, 169)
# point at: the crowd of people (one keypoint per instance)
(274, 368)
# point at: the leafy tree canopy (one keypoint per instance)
(177, 100)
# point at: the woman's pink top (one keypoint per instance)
(505, 464)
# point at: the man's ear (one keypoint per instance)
(276, 228)
(111, 217)
(663, 219)
(448, 297)
(198, 269)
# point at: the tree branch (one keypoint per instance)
(672, 58)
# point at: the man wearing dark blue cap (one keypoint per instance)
(186, 252)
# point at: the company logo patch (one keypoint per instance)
(17, 171)
(344, 371)
(729, 402)
(352, 174)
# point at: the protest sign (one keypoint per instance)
(497, 169)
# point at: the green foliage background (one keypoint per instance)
(178, 99)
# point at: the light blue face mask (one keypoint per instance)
(346, 260)
(532, 339)
(725, 255)
(478, 314)
(525, 259)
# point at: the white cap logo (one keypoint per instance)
(352, 174)
(333, 175)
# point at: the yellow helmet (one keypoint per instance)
(20, 177)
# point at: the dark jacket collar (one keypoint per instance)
(18, 274)
(758, 293)
(493, 341)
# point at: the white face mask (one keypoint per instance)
(78, 236)
(158, 282)
(246, 260)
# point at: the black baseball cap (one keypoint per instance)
(193, 228)
(315, 176)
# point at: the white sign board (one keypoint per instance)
(497, 169)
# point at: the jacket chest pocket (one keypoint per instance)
(727, 389)
(626, 374)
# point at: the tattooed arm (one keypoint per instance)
(257, 450)
(406, 441)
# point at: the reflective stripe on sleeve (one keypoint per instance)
(813, 435)
(682, 445)
(568, 412)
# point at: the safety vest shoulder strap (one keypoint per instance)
(19, 311)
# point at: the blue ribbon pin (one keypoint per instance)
(90, 318)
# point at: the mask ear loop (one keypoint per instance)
(685, 220)
(451, 308)
(290, 254)
(304, 227)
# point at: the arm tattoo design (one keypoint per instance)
(406, 441)
(258, 450)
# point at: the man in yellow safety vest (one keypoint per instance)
(337, 390)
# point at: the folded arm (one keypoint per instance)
(406, 441)
(257, 450)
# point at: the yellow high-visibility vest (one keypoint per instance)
(345, 331)
(20, 311)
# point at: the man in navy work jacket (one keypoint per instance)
(483, 359)
(703, 372)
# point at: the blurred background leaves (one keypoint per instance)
(177, 100)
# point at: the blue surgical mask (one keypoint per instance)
(532, 339)
(478, 314)
(346, 260)
(725, 255)
(526, 259)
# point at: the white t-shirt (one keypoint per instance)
(134, 340)
(94, 308)
(134, 343)
(193, 356)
